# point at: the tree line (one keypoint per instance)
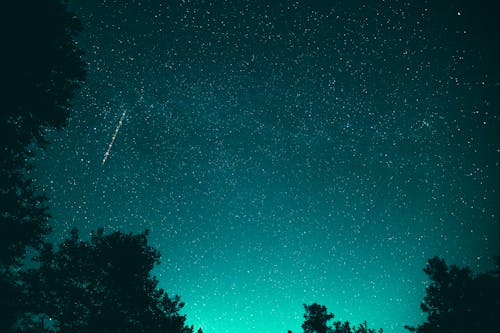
(105, 284)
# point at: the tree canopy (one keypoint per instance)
(103, 285)
(456, 300)
(316, 320)
(42, 70)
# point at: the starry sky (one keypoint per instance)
(283, 153)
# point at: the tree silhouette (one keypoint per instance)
(458, 301)
(362, 328)
(41, 70)
(316, 319)
(103, 285)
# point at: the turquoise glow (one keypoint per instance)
(263, 187)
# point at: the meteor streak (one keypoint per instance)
(106, 154)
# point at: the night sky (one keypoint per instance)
(290, 153)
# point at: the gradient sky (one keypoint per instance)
(290, 153)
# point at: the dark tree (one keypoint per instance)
(458, 301)
(317, 317)
(103, 285)
(362, 328)
(41, 68)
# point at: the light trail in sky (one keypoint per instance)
(106, 154)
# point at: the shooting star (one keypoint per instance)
(106, 154)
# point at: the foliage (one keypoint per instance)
(316, 319)
(458, 301)
(103, 285)
(42, 69)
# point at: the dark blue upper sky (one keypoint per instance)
(284, 153)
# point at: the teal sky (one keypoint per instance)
(289, 153)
